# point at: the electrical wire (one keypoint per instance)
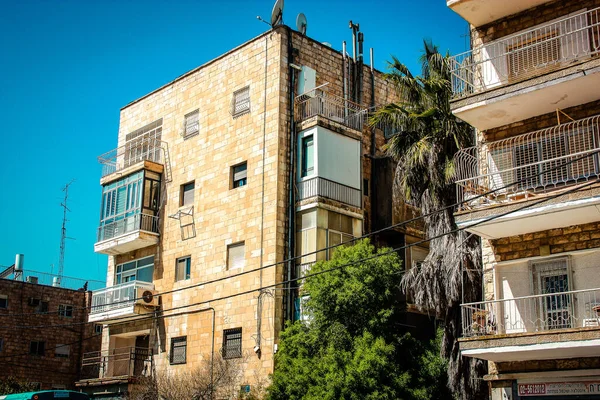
(399, 224)
(389, 252)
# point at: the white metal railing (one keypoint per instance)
(523, 55)
(537, 162)
(303, 269)
(142, 148)
(137, 221)
(538, 313)
(117, 296)
(335, 108)
(124, 361)
(318, 186)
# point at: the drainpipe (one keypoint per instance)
(345, 78)
(292, 176)
(372, 107)
(361, 38)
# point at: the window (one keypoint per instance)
(65, 311)
(300, 312)
(37, 348)
(178, 350)
(3, 301)
(235, 255)
(137, 270)
(43, 307)
(232, 343)
(307, 156)
(1, 344)
(239, 174)
(191, 125)
(551, 278)
(143, 144)
(183, 268)
(339, 230)
(187, 194)
(240, 104)
(62, 351)
(97, 329)
(366, 187)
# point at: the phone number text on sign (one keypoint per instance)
(558, 388)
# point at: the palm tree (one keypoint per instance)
(427, 137)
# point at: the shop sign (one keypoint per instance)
(558, 388)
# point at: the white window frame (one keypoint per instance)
(64, 310)
(187, 196)
(237, 177)
(185, 263)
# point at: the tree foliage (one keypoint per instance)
(354, 346)
(11, 385)
(428, 137)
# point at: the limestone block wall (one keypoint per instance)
(28, 324)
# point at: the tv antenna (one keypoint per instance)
(63, 236)
(301, 23)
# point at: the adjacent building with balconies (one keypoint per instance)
(255, 157)
(530, 190)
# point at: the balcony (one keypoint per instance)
(526, 168)
(143, 152)
(501, 82)
(321, 187)
(481, 12)
(117, 364)
(127, 234)
(119, 302)
(546, 326)
(334, 108)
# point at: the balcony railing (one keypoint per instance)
(517, 57)
(539, 313)
(332, 190)
(536, 162)
(136, 150)
(117, 296)
(121, 362)
(144, 222)
(335, 108)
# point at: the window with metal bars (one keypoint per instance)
(551, 279)
(178, 350)
(191, 124)
(232, 343)
(240, 103)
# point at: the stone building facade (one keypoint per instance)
(221, 177)
(44, 333)
(530, 190)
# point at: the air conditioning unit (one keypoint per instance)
(32, 279)
(33, 302)
(146, 297)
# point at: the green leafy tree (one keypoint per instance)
(354, 346)
(428, 135)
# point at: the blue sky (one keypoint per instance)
(67, 67)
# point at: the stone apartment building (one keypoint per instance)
(43, 328)
(530, 191)
(221, 177)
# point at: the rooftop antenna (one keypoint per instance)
(63, 236)
(277, 14)
(301, 23)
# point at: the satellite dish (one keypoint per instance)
(277, 14)
(301, 23)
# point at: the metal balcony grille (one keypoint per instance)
(526, 54)
(125, 361)
(538, 313)
(138, 149)
(332, 190)
(539, 161)
(144, 222)
(117, 296)
(335, 108)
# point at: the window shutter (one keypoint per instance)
(241, 101)
(240, 172)
(192, 125)
(236, 258)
